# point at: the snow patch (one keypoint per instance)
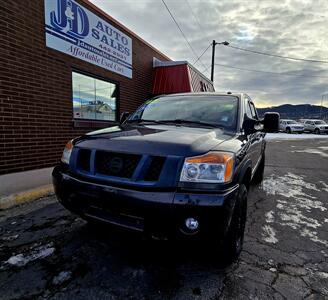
(296, 219)
(22, 259)
(322, 274)
(286, 136)
(313, 236)
(325, 148)
(10, 238)
(312, 151)
(62, 277)
(290, 185)
(325, 186)
(295, 201)
(269, 234)
(269, 217)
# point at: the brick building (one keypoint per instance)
(66, 68)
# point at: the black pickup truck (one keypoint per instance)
(180, 166)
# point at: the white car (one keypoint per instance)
(290, 126)
(316, 126)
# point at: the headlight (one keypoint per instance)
(67, 152)
(213, 167)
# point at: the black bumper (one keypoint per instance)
(154, 212)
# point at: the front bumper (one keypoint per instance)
(297, 129)
(158, 213)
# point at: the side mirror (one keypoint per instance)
(124, 116)
(271, 122)
(249, 125)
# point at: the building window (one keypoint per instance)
(93, 99)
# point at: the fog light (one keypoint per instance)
(191, 224)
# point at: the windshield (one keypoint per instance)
(319, 122)
(292, 122)
(220, 111)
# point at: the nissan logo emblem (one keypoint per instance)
(116, 164)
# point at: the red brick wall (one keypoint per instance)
(36, 88)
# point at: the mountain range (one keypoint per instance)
(300, 111)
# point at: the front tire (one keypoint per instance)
(233, 241)
(288, 130)
(317, 131)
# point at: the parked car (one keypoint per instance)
(316, 126)
(290, 126)
(180, 166)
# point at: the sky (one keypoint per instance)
(289, 28)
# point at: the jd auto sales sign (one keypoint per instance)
(74, 30)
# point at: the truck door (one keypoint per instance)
(307, 125)
(256, 139)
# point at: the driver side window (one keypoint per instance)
(248, 110)
(253, 110)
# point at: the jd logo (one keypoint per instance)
(70, 18)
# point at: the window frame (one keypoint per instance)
(93, 123)
(248, 109)
(255, 110)
(250, 105)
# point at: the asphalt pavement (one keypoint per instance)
(47, 253)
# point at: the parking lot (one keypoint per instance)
(45, 252)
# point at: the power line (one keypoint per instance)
(195, 17)
(267, 72)
(202, 54)
(201, 30)
(182, 33)
(279, 56)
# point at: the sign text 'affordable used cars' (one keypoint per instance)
(74, 30)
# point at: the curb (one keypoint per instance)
(26, 196)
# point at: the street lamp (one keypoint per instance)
(214, 43)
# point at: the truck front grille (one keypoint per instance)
(155, 168)
(122, 165)
(83, 160)
(116, 164)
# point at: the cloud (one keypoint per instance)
(294, 28)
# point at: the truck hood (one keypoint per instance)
(155, 139)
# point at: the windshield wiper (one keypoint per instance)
(175, 122)
(181, 121)
(145, 121)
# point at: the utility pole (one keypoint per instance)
(214, 43)
(213, 55)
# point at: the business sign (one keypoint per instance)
(74, 30)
